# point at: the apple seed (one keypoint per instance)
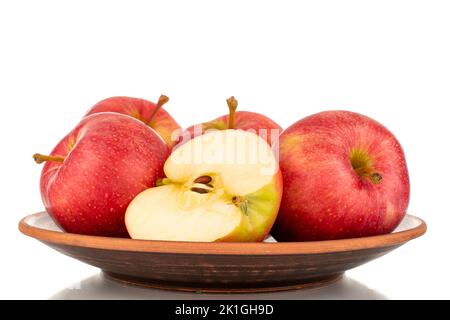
(199, 190)
(203, 180)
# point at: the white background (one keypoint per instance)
(387, 59)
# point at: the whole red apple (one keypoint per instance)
(344, 176)
(257, 123)
(95, 171)
(152, 114)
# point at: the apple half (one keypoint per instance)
(223, 186)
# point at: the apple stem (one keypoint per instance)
(232, 106)
(40, 158)
(161, 101)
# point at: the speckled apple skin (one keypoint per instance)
(324, 198)
(141, 109)
(244, 120)
(110, 158)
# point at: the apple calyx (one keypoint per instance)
(362, 165)
(241, 203)
(41, 158)
(163, 99)
(376, 178)
(232, 106)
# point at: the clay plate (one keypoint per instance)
(220, 267)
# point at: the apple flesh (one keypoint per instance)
(152, 114)
(344, 176)
(254, 122)
(96, 170)
(222, 186)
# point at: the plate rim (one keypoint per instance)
(221, 248)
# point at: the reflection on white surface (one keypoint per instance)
(99, 287)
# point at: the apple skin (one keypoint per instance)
(244, 120)
(109, 159)
(324, 197)
(141, 109)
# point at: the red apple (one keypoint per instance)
(344, 176)
(95, 171)
(148, 112)
(244, 120)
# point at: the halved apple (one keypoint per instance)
(222, 186)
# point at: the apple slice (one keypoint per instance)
(223, 186)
